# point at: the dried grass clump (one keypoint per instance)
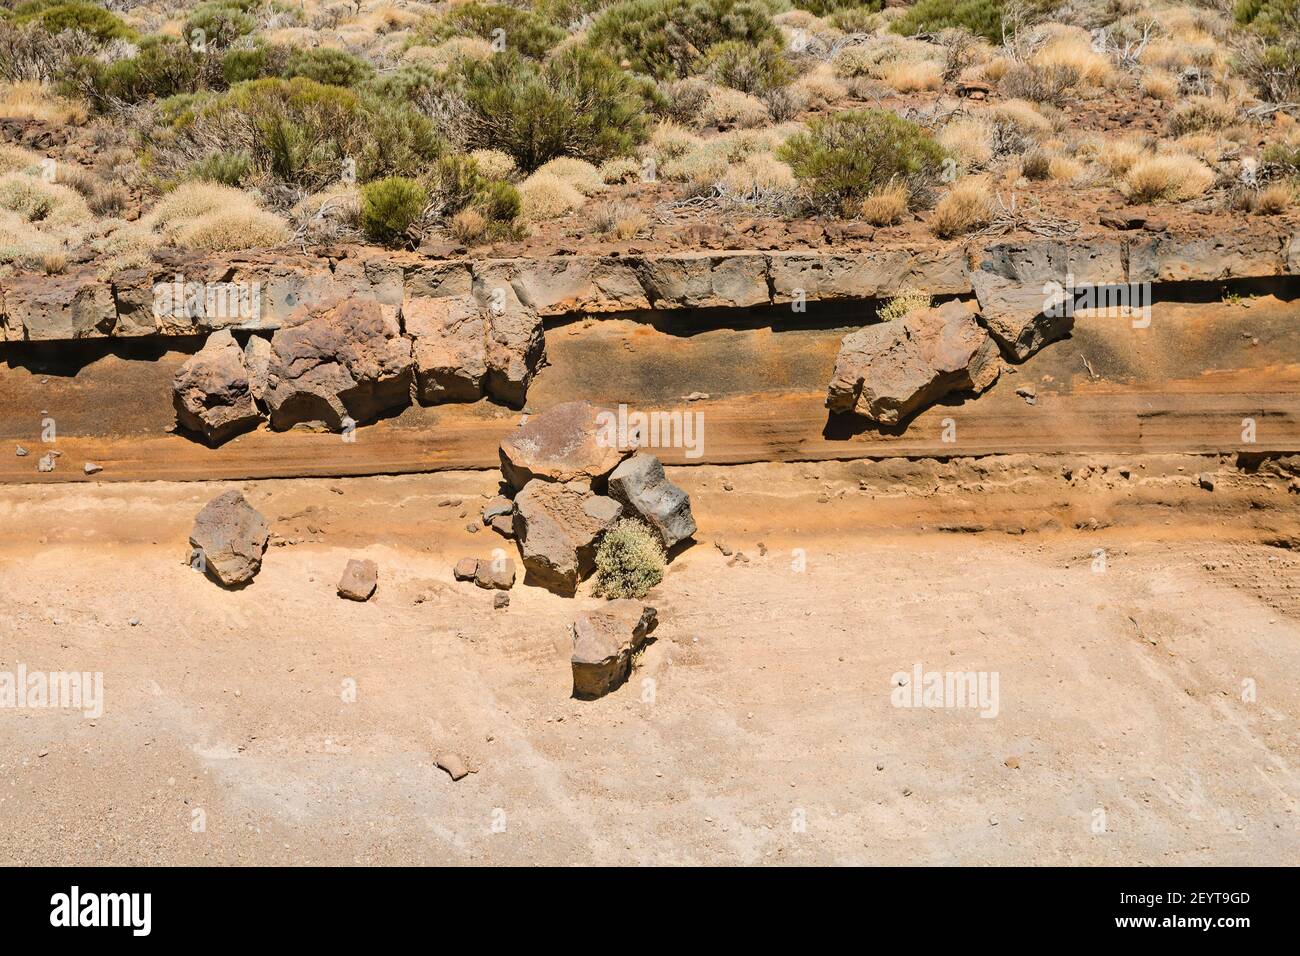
(759, 179)
(546, 196)
(1202, 113)
(966, 207)
(886, 206)
(495, 164)
(444, 54)
(578, 173)
(728, 107)
(1022, 116)
(670, 141)
(1273, 200)
(209, 216)
(630, 560)
(15, 159)
(468, 226)
(231, 229)
(620, 169)
(819, 88)
(969, 139)
(903, 304)
(1159, 85)
(37, 201)
(622, 220)
(29, 99)
(1172, 177)
(1074, 55)
(911, 76)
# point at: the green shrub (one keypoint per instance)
(1284, 155)
(526, 32)
(460, 184)
(856, 19)
(163, 67)
(630, 561)
(390, 206)
(263, 60)
(1271, 19)
(670, 38)
(229, 169)
(749, 68)
(981, 17)
(333, 67)
(55, 16)
(406, 84)
(221, 23)
(578, 104)
(844, 157)
(822, 8)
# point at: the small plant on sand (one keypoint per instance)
(630, 561)
(898, 307)
(390, 206)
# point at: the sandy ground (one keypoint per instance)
(758, 728)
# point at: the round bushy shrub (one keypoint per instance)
(981, 17)
(524, 31)
(749, 68)
(55, 16)
(844, 157)
(390, 206)
(218, 24)
(333, 67)
(630, 560)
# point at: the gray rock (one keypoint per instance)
(231, 535)
(887, 371)
(558, 527)
(604, 641)
(349, 361)
(46, 462)
(501, 599)
(211, 391)
(91, 468)
(498, 506)
(360, 578)
(640, 485)
(21, 452)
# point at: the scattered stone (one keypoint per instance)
(500, 599)
(1205, 480)
(697, 397)
(21, 452)
(722, 546)
(257, 360)
(498, 507)
(1028, 393)
(46, 462)
(887, 371)
(360, 578)
(91, 468)
(472, 528)
(211, 392)
(604, 641)
(231, 535)
(498, 574)
(1012, 763)
(453, 765)
(639, 484)
(450, 347)
(134, 622)
(504, 525)
(728, 486)
(349, 361)
(573, 441)
(558, 527)
(466, 569)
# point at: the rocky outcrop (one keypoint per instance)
(348, 361)
(212, 393)
(53, 308)
(228, 540)
(573, 441)
(887, 371)
(641, 487)
(449, 347)
(604, 642)
(558, 528)
(516, 345)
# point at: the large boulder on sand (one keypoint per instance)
(604, 641)
(559, 527)
(229, 538)
(886, 371)
(349, 360)
(212, 393)
(572, 441)
(641, 487)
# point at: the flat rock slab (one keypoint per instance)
(359, 580)
(229, 538)
(641, 487)
(887, 371)
(604, 641)
(573, 441)
(559, 527)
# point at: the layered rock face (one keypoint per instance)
(213, 393)
(349, 361)
(886, 371)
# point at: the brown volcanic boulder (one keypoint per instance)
(212, 393)
(569, 442)
(559, 527)
(640, 485)
(604, 641)
(450, 347)
(229, 538)
(359, 580)
(886, 371)
(349, 360)
(516, 348)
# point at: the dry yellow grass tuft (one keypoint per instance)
(728, 107)
(819, 88)
(1171, 177)
(969, 139)
(1159, 85)
(32, 100)
(620, 169)
(885, 206)
(495, 164)
(965, 207)
(243, 227)
(911, 76)
(468, 226)
(15, 159)
(1022, 116)
(1075, 54)
(546, 196)
(1273, 200)
(578, 173)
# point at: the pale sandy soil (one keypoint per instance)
(765, 700)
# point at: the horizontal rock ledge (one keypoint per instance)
(182, 294)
